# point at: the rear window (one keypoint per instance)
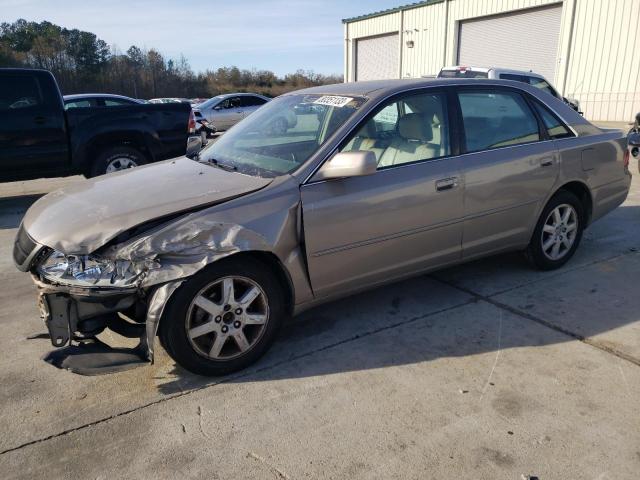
(515, 78)
(18, 92)
(543, 85)
(554, 126)
(118, 102)
(462, 74)
(494, 119)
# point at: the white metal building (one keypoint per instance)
(589, 49)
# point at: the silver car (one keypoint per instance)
(224, 111)
(377, 181)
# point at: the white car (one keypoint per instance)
(530, 78)
(224, 111)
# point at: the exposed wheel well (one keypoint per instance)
(270, 260)
(581, 191)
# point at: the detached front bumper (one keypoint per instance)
(74, 316)
(71, 311)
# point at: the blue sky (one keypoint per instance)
(277, 35)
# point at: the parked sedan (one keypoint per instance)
(84, 100)
(224, 111)
(386, 180)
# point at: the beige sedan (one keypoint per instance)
(373, 182)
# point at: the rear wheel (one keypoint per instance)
(223, 318)
(116, 159)
(558, 232)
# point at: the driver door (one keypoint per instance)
(407, 217)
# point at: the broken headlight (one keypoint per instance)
(87, 270)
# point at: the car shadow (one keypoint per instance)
(12, 209)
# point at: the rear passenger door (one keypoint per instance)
(510, 166)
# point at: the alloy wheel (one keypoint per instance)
(120, 163)
(227, 318)
(559, 232)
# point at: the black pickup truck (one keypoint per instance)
(38, 138)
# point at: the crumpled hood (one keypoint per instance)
(81, 218)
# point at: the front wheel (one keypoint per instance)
(224, 318)
(558, 232)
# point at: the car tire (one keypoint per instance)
(116, 159)
(558, 232)
(200, 329)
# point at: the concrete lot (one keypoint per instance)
(487, 371)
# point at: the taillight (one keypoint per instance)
(192, 122)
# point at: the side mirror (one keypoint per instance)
(348, 164)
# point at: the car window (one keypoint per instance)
(84, 103)
(116, 102)
(494, 119)
(462, 74)
(233, 102)
(554, 126)
(251, 101)
(411, 129)
(516, 78)
(543, 85)
(18, 92)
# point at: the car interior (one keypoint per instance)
(405, 131)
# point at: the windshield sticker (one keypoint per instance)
(333, 100)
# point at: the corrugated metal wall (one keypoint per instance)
(604, 60)
(598, 60)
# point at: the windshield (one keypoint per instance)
(281, 135)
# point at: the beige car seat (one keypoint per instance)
(412, 142)
(365, 140)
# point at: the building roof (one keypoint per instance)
(390, 10)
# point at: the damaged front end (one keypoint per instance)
(124, 287)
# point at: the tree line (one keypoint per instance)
(83, 63)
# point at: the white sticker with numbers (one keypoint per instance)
(333, 100)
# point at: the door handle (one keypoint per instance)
(546, 162)
(39, 120)
(446, 184)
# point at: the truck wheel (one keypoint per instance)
(116, 159)
(558, 232)
(224, 318)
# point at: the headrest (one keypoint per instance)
(368, 130)
(414, 126)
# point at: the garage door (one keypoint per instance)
(526, 40)
(377, 57)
